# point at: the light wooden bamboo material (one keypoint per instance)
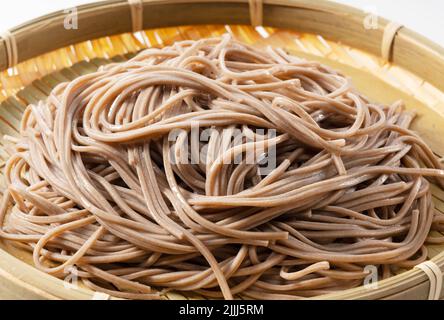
(334, 21)
(342, 43)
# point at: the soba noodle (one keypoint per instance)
(128, 177)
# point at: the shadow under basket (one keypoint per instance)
(323, 31)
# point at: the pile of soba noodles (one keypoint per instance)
(213, 167)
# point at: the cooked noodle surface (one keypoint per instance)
(154, 175)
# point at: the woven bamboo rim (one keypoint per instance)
(338, 23)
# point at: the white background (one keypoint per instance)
(423, 16)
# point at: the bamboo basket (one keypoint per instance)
(320, 30)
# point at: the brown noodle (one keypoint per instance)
(94, 180)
